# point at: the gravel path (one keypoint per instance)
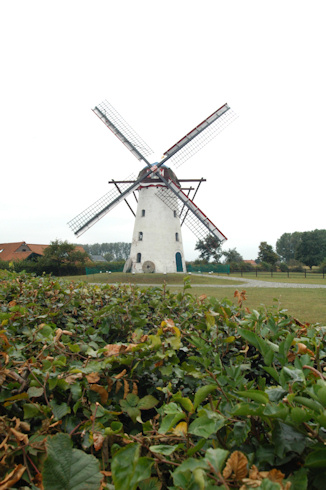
(253, 283)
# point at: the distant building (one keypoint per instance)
(251, 262)
(22, 251)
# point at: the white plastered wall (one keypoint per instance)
(161, 233)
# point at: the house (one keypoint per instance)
(251, 262)
(22, 251)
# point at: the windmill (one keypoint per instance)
(163, 206)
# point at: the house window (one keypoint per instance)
(140, 236)
(138, 258)
(143, 213)
(177, 237)
(175, 214)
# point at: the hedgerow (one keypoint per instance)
(121, 387)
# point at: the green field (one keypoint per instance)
(159, 279)
(306, 305)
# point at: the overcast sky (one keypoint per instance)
(165, 66)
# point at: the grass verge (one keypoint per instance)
(159, 279)
(307, 305)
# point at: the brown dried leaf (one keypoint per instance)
(249, 483)
(67, 332)
(134, 388)
(72, 378)
(5, 340)
(126, 388)
(273, 475)
(118, 386)
(57, 335)
(6, 357)
(120, 375)
(236, 466)
(254, 472)
(114, 349)
(130, 347)
(101, 391)
(303, 349)
(93, 377)
(19, 435)
(98, 440)
(110, 384)
(3, 443)
(13, 477)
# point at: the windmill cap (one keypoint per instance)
(165, 171)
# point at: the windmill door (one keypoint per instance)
(178, 260)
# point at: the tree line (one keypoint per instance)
(112, 252)
(292, 249)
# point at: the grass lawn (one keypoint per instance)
(307, 305)
(159, 279)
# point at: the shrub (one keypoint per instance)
(156, 389)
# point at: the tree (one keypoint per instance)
(287, 245)
(267, 254)
(232, 256)
(62, 253)
(312, 248)
(210, 248)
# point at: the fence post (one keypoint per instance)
(305, 272)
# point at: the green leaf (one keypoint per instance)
(216, 457)
(31, 410)
(316, 459)
(170, 421)
(150, 484)
(202, 393)
(68, 468)
(34, 392)
(267, 484)
(147, 402)
(288, 439)
(128, 469)
(255, 395)
(204, 426)
(74, 347)
(163, 449)
(182, 475)
(59, 411)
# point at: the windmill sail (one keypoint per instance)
(198, 137)
(196, 220)
(83, 221)
(112, 119)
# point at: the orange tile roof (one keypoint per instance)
(15, 251)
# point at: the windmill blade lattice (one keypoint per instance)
(115, 122)
(84, 220)
(202, 134)
(195, 220)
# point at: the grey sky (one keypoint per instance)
(164, 66)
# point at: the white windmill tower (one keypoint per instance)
(162, 205)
